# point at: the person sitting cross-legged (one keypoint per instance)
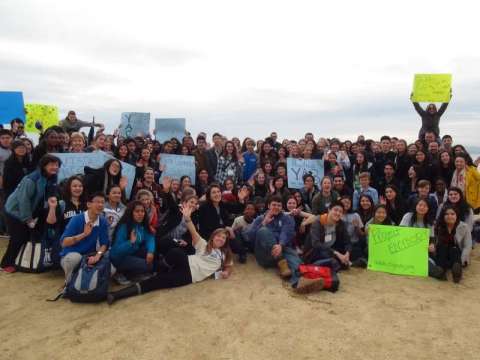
(272, 235)
(82, 234)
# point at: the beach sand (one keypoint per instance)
(253, 315)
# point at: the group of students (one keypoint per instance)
(171, 233)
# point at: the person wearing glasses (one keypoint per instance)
(17, 127)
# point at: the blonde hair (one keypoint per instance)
(77, 135)
(144, 192)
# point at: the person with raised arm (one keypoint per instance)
(212, 257)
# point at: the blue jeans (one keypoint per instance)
(264, 242)
(133, 264)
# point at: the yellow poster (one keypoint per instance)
(46, 114)
(432, 87)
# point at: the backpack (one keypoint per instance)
(330, 277)
(37, 254)
(89, 284)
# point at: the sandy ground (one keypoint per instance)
(253, 315)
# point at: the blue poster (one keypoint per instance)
(134, 124)
(296, 168)
(11, 106)
(177, 166)
(74, 163)
(165, 129)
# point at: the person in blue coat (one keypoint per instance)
(25, 204)
(133, 247)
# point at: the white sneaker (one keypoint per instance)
(121, 279)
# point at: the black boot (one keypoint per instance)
(457, 272)
(437, 272)
(124, 293)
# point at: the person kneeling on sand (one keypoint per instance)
(272, 235)
(212, 257)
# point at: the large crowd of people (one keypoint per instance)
(171, 233)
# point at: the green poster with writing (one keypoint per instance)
(398, 250)
(432, 87)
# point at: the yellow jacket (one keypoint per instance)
(472, 186)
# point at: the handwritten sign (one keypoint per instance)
(177, 166)
(432, 87)
(134, 124)
(296, 168)
(11, 106)
(398, 250)
(74, 164)
(165, 129)
(46, 114)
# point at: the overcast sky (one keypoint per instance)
(246, 67)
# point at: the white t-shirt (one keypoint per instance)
(203, 265)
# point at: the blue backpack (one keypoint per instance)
(89, 284)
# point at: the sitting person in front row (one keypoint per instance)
(453, 243)
(272, 235)
(212, 257)
(133, 247)
(82, 234)
(328, 243)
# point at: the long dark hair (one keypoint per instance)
(208, 193)
(365, 215)
(117, 151)
(398, 201)
(112, 179)
(234, 153)
(462, 208)
(127, 218)
(441, 228)
(427, 219)
(387, 220)
(67, 192)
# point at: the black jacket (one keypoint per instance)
(209, 220)
(13, 173)
(430, 122)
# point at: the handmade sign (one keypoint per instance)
(165, 129)
(398, 250)
(11, 106)
(46, 114)
(74, 164)
(134, 124)
(432, 87)
(296, 168)
(176, 166)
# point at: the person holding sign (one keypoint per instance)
(430, 117)
(101, 179)
(453, 243)
(419, 218)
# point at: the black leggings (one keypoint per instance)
(447, 255)
(178, 275)
(19, 235)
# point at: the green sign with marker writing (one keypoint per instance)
(398, 250)
(432, 87)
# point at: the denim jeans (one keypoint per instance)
(264, 242)
(133, 264)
